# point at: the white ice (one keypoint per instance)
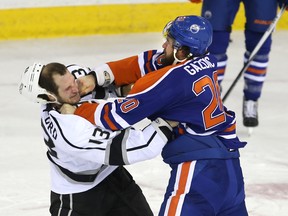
(24, 170)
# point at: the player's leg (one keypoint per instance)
(182, 197)
(221, 183)
(60, 204)
(94, 202)
(259, 14)
(117, 194)
(221, 14)
(80, 204)
(207, 187)
(130, 198)
(234, 204)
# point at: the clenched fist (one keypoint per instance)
(67, 109)
(86, 84)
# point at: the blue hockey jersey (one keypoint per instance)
(187, 92)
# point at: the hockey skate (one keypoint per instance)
(250, 113)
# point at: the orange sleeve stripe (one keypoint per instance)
(181, 188)
(126, 71)
(231, 128)
(148, 62)
(111, 125)
(87, 110)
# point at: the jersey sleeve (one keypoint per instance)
(125, 71)
(143, 101)
(137, 145)
(76, 144)
(122, 72)
(128, 70)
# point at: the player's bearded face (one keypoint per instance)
(168, 52)
(68, 91)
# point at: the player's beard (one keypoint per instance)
(168, 59)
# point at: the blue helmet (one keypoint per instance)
(194, 32)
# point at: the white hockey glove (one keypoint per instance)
(104, 75)
(166, 127)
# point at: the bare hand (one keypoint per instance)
(67, 109)
(126, 89)
(86, 84)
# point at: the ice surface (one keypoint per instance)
(24, 182)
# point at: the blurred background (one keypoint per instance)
(92, 32)
(59, 18)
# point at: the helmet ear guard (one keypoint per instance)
(29, 84)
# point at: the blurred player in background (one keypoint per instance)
(259, 15)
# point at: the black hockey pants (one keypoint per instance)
(117, 195)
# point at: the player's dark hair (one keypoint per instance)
(185, 50)
(46, 80)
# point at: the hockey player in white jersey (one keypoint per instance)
(87, 173)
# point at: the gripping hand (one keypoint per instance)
(172, 123)
(67, 109)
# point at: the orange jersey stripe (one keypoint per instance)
(181, 130)
(126, 71)
(108, 120)
(87, 110)
(181, 188)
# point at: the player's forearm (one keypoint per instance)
(142, 145)
(122, 72)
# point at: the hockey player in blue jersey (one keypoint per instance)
(259, 15)
(181, 84)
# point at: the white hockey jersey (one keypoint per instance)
(82, 155)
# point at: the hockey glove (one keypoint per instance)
(104, 75)
(166, 127)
